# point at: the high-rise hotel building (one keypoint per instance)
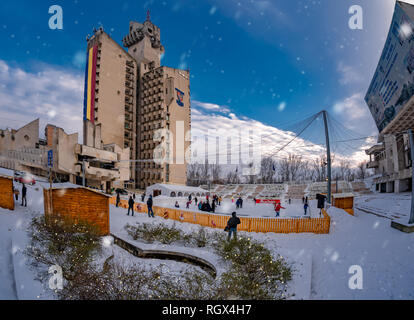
(129, 96)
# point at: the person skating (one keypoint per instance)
(195, 200)
(118, 199)
(149, 205)
(232, 226)
(130, 205)
(213, 207)
(303, 200)
(219, 200)
(187, 206)
(290, 201)
(278, 206)
(237, 203)
(176, 204)
(143, 197)
(241, 202)
(133, 196)
(24, 191)
(305, 207)
(200, 205)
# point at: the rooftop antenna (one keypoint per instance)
(148, 15)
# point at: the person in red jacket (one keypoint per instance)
(278, 206)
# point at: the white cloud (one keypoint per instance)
(349, 75)
(51, 94)
(210, 106)
(355, 114)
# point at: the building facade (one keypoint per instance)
(139, 103)
(102, 168)
(390, 98)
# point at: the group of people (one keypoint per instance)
(131, 203)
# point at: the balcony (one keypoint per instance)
(103, 174)
(372, 165)
(102, 155)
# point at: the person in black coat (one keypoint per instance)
(213, 207)
(131, 205)
(24, 191)
(143, 197)
(118, 199)
(232, 226)
(149, 205)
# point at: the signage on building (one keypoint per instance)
(50, 158)
(393, 83)
(180, 97)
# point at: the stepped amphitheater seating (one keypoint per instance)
(360, 187)
(296, 191)
(273, 190)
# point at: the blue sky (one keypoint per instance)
(268, 62)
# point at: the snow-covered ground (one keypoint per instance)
(321, 262)
(393, 206)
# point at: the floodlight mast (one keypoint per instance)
(328, 154)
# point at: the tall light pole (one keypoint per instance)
(328, 154)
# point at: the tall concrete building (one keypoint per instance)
(138, 103)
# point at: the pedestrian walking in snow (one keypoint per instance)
(149, 205)
(130, 205)
(118, 199)
(16, 193)
(278, 206)
(232, 226)
(305, 207)
(24, 191)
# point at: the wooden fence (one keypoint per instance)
(264, 225)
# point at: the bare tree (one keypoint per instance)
(344, 168)
(215, 170)
(267, 170)
(290, 167)
(361, 171)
